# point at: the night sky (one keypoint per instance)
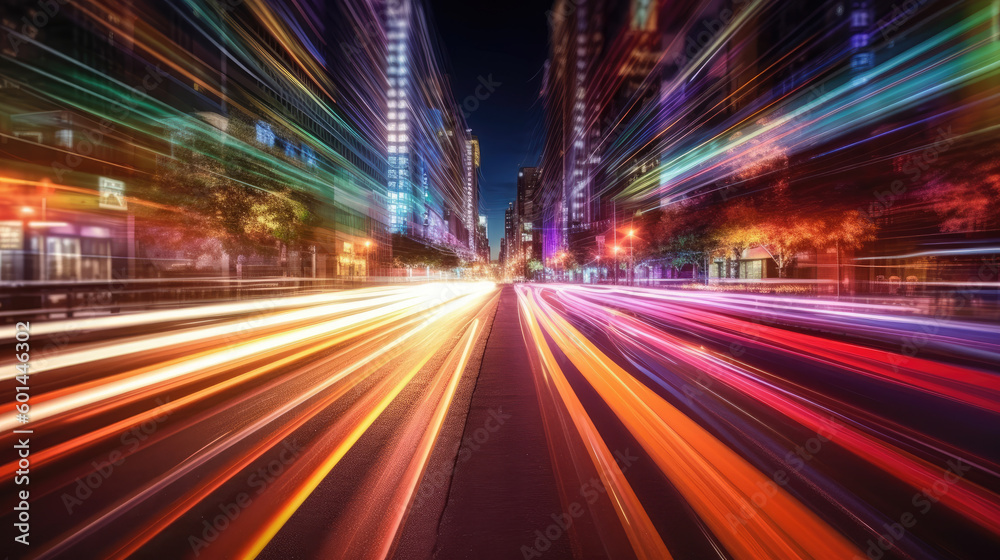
(508, 40)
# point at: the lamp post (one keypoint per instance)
(26, 268)
(631, 258)
(617, 249)
(368, 246)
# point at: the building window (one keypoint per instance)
(264, 134)
(64, 138)
(859, 40)
(62, 258)
(95, 262)
(860, 18)
(862, 61)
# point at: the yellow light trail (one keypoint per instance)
(645, 540)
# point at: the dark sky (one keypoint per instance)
(509, 41)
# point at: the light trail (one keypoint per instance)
(379, 350)
(679, 340)
(642, 534)
(715, 481)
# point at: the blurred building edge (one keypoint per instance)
(634, 91)
(223, 138)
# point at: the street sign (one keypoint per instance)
(112, 193)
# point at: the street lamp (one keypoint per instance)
(368, 246)
(631, 257)
(616, 250)
(26, 213)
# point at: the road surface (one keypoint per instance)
(458, 421)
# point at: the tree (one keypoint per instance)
(684, 233)
(410, 253)
(965, 194)
(740, 230)
(225, 188)
(848, 229)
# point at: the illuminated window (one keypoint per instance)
(264, 134)
(64, 138)
(859, 40)
(308, 156)
(62, 258)
(861, 61)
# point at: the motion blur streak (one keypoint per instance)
(979, 505)
(714, 480)
(706, 383)
(640, 530)
(384, 504)
(303, 384)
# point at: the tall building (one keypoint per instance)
(529, 215)
(510, 234)
(432, 160)
(576, 40)
(483, 240)
(471, 192)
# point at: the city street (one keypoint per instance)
(776, 427)
(517, 280)
(202, 432)
(463, 420)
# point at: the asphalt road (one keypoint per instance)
(766, 427)
(293, 428)
(462, 421)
